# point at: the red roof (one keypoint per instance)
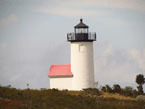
(60, 70)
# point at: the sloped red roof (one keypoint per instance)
(60, 70)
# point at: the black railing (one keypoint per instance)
(81, 37)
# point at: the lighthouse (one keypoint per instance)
(82, 62)
(80, 73)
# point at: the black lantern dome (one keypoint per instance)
(81, 33)
(81, 25)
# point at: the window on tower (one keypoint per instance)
(81, 48)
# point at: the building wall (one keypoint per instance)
(82, 65)
(61, 83)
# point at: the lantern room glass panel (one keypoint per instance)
(81, 30)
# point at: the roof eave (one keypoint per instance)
(60, 76)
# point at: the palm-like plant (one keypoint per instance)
(140, 80)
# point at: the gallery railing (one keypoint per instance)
(81, 36)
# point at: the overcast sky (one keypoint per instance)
(33, 36)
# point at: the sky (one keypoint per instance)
(33, 36)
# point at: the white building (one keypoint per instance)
(80, 74)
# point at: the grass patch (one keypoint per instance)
(55, 99)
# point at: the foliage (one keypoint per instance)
(104, 89)
(116, 88)
(127, 91)
(109, 89)
(56, 99)
(140, 89)
(140, 80)
(91, 91)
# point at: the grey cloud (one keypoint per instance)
(30, 64)
(116, 67)
(9, 20)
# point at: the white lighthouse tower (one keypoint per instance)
(82, 64)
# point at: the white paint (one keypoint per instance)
(82, 65)
(61, 83)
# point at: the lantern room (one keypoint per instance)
(81, 33)
(81, 28)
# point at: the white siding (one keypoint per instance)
(82, 65)
(61, 83)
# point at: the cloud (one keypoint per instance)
(67, 12)
(136, 5)
(14, 78)
(139, 57)
(28, 61)
(120, 66)
(3, 50)
(69, 8)
(116, 22)
(89, 7)
(71, 11)
(108, 51)
(9, 20)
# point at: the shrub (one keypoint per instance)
(109, 89)
(92, 91)
(54, 89)
(103, 89)
(116, 88)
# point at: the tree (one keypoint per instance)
(103, 88)
(140, 80)
(128, 91)
(108, 89)
(116, 88)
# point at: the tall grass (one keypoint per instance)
(55, 99)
